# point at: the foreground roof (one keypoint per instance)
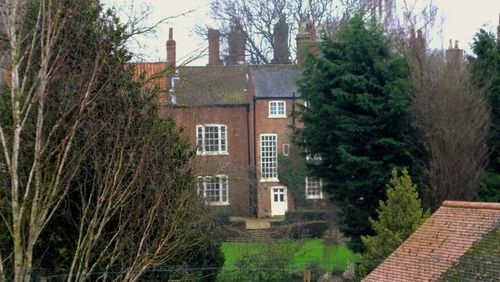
(479, 263)
(445, 243)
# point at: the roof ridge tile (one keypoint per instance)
(471, 205)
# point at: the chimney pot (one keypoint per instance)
(454, 56)
(306, 41)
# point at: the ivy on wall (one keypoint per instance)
(292, 172)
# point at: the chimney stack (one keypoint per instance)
(237, 43)
(306, 41)
(420, 39)
(417, 41)
(280, 43)
(171, 49)
(454, 55)
(213, 47)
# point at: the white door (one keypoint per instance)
(279, 203)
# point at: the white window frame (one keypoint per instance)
(286, 151)
(311, 196)
(201, 142)
(267, 173)
(315, 157)
(223, 189)
(276, 114)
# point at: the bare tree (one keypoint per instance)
(401, 19)
(453, 120)
(258, 18)
(137, 210)
(75, 129)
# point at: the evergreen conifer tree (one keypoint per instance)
(398, 217)
(485, 70)
(357, 120)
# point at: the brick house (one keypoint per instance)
(238, 118)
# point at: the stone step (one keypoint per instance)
(254, 235)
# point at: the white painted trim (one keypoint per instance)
(201, 178)
(211, 153)
(312, 197)
(269, 115)
(269, 179)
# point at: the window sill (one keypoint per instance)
(280, 116)
(212, 153)
(217, 203)
(269, 180)
(314, 197)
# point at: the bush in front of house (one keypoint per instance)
(270, 263)
(305, 215)
(312, 229)
(222, 217)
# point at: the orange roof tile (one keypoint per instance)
(439, 243)
(155, 72)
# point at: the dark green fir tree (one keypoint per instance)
(485, 71)
(357, 120)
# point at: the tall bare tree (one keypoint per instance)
(77, 131)
(453, 120)
(400, 19)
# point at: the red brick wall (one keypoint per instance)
(280, 127)
(236, 164)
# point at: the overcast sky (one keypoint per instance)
(462, 19)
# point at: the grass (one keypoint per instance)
(304, 254)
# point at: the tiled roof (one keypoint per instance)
(439, 243)
(479, 263)
(223, 85)
(154, 72)
(211, 85)
(277, 82)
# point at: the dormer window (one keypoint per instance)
(277, 109)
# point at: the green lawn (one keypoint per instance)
(305, 253)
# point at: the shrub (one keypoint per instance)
(278, 223)
(305, 215)
(222, 217)
(314, 229)
(398, 217)
(272, 264)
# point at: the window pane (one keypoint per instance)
(281, 108)
(212, 138)
(277, 108)
(268, 156)
(313, 188)
(199, 137)
(215, 189)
